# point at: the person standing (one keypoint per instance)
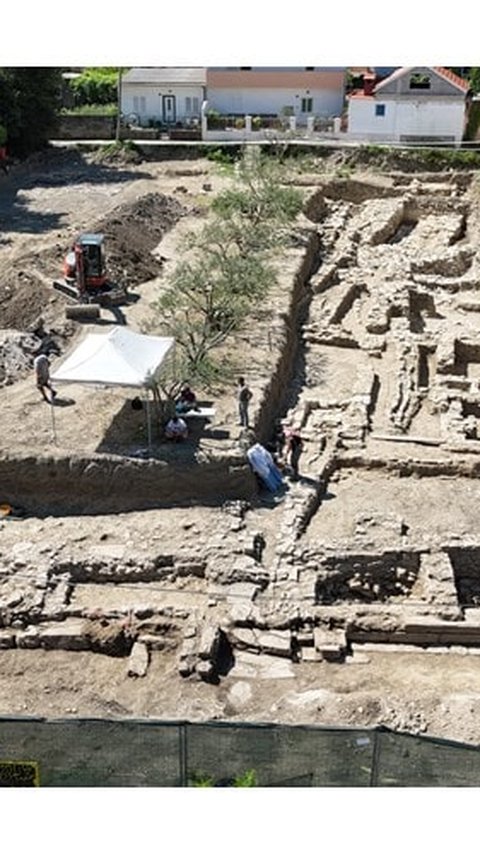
(294, 448)
(41, 367)
(243, 396)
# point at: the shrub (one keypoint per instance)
(95, 86)
(29, 103)
(473, 121)
(91, 110)
(213, 119)
(225, 157)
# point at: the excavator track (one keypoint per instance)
(112, 297)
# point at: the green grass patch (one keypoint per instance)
(91, 110)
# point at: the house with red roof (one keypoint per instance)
(414, 104)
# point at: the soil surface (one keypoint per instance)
(144, 210)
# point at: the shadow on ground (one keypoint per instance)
(127, 436)
(56, 169)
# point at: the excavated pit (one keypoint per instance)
(376, 541)
(466, 569)
(367, 578)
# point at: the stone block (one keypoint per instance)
(208, 643)
(243, 638)
(139, 660)
(276, 643)
(186, 667)
(29, 639)
(205, 670)
(188, 648)
(309, 653)
(304, 638)
(66, 635)
(153, 642)
(7, 639)
(330, 643)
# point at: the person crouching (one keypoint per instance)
(176, 429)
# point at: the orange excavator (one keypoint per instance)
(85, 278)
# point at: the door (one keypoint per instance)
(168, 108)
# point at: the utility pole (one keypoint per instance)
(119, 106)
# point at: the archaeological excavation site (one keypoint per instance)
(170, 584)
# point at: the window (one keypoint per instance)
(307, 105)
(419, 81)
(309, 68)
(379, 109)
(192, 107)
(245, 68)
(139, 104)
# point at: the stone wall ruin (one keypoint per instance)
(373, 354)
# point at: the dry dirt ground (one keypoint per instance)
(146, 208)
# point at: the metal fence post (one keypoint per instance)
(182, 741)
(375, 758)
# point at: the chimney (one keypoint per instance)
(369, 81)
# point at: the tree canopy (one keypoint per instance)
(95, 86)
(29, 103)
(227, 268)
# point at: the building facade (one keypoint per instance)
(163, 95)
(416, 104)
(262, 91)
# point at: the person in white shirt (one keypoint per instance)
(41, 367)
(176, 429)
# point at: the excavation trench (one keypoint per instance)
(106, 483)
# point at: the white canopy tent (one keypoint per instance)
(120, 358)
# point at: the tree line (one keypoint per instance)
(31, 100)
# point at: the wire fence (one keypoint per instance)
(91, 752)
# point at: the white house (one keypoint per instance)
(260, 91)
(166, 95)
(417, 104)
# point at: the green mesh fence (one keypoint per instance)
(89, 752)
(281, 756)
(406, 760)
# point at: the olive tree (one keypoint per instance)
(228, 265)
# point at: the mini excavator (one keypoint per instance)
(85, 279)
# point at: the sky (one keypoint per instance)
(230, 32)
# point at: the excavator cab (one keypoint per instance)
(85, 279)
(85, 263)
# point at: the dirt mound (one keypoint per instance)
(132, 231)
(17, 350)
(118, 153)
(22, 298)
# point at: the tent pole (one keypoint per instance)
(52, 408)
(149, 422)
